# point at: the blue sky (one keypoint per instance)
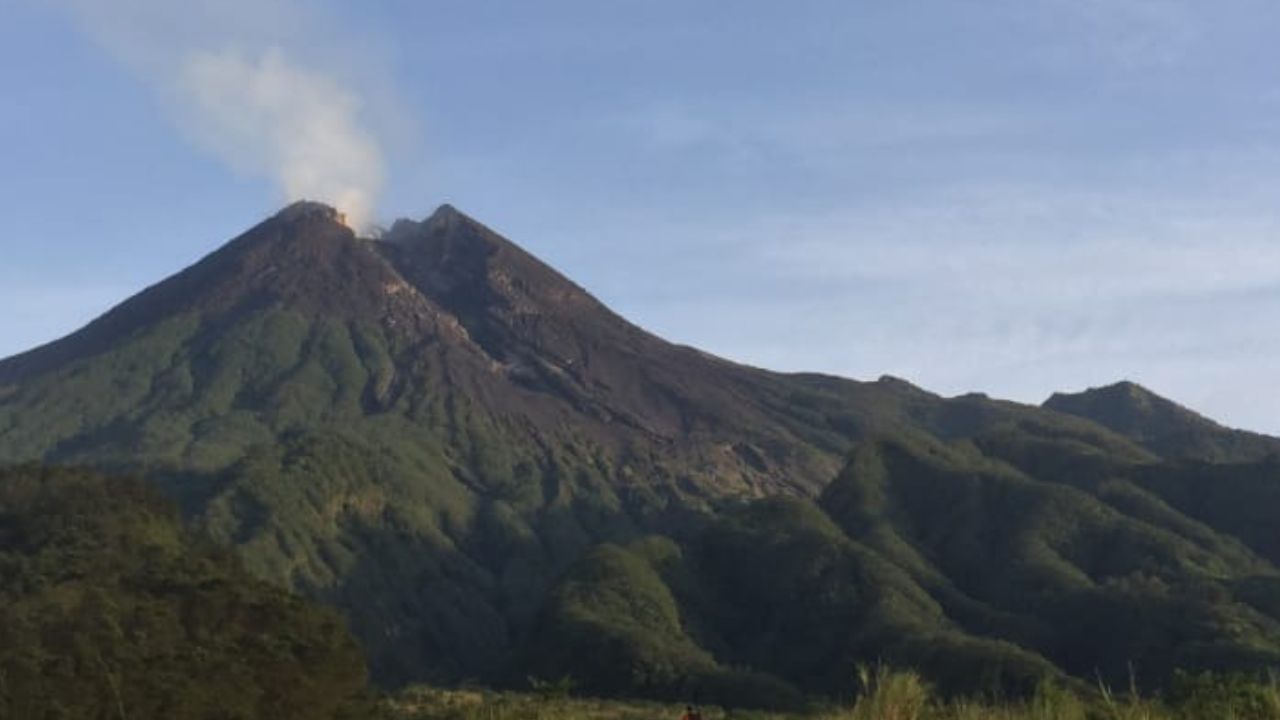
(1012, 197)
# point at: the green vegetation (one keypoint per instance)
(109, 609)
(491, 476)
(880, 694)
(949, 559)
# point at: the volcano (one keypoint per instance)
(299, 325)
(494, 475)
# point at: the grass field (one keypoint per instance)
(886, 695)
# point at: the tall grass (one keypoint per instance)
(884, 694)
(889, 695)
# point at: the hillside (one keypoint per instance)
(973, 563)
(109, 608)
(493, 475)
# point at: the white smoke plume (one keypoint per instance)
(244, 81)
(265, 114)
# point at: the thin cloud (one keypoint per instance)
(1054, 242)
(1018, 291)
(1137, 34)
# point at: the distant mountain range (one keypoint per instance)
(494, 476)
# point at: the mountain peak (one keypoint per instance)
(310, 212)
(1130, 389)
(445, 212)
(1129, 408)
(1159, 424)
(453, 258)
(303, 257)
(446, 273)
(306, 208)
(511, 303)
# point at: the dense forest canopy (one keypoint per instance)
(109, 608)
